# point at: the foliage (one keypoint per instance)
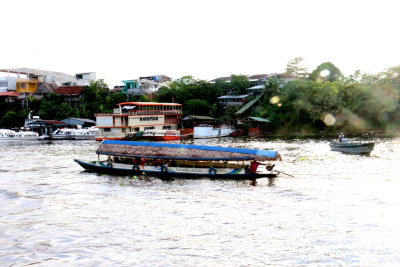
(191, 93)
(239, 84)
(355, 103)
(9, 118)
(326, 72)
(293, 68)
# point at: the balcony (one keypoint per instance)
(143, 112)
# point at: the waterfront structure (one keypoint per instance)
(79, 122)
(133, 117)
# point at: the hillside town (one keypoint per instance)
(24, 85)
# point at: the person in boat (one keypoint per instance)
(341, 135)
(253, 166)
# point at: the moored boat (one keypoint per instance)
(6, 134)
(176, 160)
(162, 135)
(75, 134)
(210, 131)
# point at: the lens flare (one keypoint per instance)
(324, 73)
(329, 119)
(274, 100)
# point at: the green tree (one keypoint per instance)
(239, 84)
(10, 119)
(188, 91)
(196, 107)
(293, 68)
(94, 98)
(326, 72)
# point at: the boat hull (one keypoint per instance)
(113, 169)
(353, 148)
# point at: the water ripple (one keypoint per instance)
(337, 210)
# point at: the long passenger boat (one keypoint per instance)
(180, 160)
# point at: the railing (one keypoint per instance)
(172, 121)
(143, 112)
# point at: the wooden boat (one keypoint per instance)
(345, 146)
(179, 160)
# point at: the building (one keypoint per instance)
(232, 100)
(133, 117)
(44, 76)
(70, 95)
(9, 96)
(79, 123)
(36, 83)
(145, 85)
(260, 79)
(8, 84)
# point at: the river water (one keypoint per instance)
(337, 210)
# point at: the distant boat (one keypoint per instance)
(6, 134)
(356, 147)
(162, 135)
(75, 134)
(179, 160)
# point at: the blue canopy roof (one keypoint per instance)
(182, 151)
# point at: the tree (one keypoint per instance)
(239, 84)
(196, 107)
(10, 119)
(326, 72)
(195, 95)
(93, 98)
(293, 68)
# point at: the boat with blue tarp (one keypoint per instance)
(181, 160)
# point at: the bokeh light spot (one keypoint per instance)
(329, 119)
(274, 100)
(324, 73)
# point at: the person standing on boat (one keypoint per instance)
(253, 166)
(341, 135)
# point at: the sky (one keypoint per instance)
(122, 40)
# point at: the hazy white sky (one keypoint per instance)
(122, 40)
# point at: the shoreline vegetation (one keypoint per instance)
(297, 103)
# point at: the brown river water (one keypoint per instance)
(337, 210)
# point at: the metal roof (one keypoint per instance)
(233, 96)
(258, 119)
(197, 117)
(249, 104)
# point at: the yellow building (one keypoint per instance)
(27, 85)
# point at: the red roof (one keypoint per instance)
(9, 93)
(69, 90)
